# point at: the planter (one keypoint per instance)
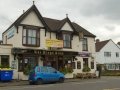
(69, 75)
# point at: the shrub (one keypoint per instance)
(86, 69)
(66, 70)
(27, 70)
(111, 73)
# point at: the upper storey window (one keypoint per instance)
(66, 40)
(84, 44)
(31, 37)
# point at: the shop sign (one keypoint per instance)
(11, 32)
(84, 54)
(14, 64)
(54, 43)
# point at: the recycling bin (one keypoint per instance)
(6, 75)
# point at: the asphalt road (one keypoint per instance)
(105, 83)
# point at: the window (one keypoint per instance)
(78, 65)
(44, 69)
(27, 61)
(117, 54)
(84, 44)
(85, 62)
(73, 65)
(107, 54)
(31, 37)
(66, 41)
(5, 61)
(92, 65)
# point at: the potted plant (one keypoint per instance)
(27, 70)
(66, 70)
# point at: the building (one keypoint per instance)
(36, 40)
(108, 54)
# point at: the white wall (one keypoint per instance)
(109, 47)
(67, 27)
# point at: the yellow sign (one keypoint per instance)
(54, 43)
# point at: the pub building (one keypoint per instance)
(36, 40)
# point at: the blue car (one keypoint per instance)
(43, 74)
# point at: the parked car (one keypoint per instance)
(43, 74)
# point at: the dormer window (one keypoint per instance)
(66, 40)
(31, 37)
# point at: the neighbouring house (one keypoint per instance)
(108, 54)
(35, 40)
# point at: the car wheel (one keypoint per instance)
(39, 81)
(61, 80)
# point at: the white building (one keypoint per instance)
(108, 54)
(36, 40)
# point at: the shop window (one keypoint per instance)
(73, 65)
(5, 61)
(31, 37)
(31, 61)
(78, 65)
(92, 65)
(84, 44)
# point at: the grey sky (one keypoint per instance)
(100, 17)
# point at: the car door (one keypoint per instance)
(44, 74)
(53, 74)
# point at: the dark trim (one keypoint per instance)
(17, 29)
(31, 26)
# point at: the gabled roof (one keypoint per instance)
(78, 28)
(32, 8)
(55, 25)
(100, 45)
(52, 24)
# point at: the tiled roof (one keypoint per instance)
(56, 24)
(52, 24)
(100, 45)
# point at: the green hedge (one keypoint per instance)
(111, 73)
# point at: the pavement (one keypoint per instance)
(23, 83)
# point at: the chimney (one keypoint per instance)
(97, 40)
(23, 11)
(118, 43)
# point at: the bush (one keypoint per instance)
(111, 73)
(86, 69)
(66, 70)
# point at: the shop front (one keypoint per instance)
(54, 58)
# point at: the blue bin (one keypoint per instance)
(6, 75)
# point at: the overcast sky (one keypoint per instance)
(100, 17)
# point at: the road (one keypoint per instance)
(105, 83)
